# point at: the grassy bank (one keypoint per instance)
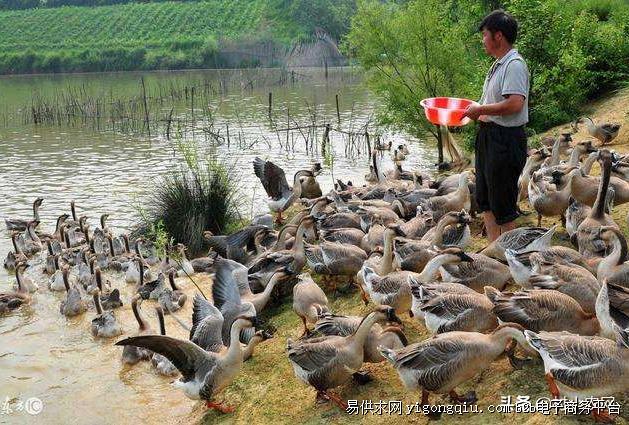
(267, 390)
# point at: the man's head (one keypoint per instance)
(499, 32)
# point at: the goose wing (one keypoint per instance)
(580, 362)
(331, 324)
(610, 128)
(226, 297)
(434, 360)
(272, 177)
(533, 309)
(519, 239)
(207, 324)
(619, 304)
(191, 360)
(312, 354)
(239, 275)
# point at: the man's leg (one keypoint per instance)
(493, 230)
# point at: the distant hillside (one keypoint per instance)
(165, 35)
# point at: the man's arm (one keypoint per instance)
(512, 104)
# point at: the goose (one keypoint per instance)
(152, 289)
(186, 266)
(293, 260)
(207, 325)
(570, 279)
(132, 354)
(391, 289)
(15, 256)
(605, 132)
(374, 238)
(442, 234)
(334, 258)
(520, 240)
(226, 298)
(533, 163)
(614, 268)
(382, 263)
(417, 226)
(455, 201)
(172, 299)
(55, 282)
(236, 245)
(585, 188)
(83, 270)
(340, 220)
(612, 309)
(327, 362)
(12, 300)
(583, 366)
(588, 232)
(620, 169)
(104, 325)
(73, 305)
(371, 176)
(520, 265)
(309, 301)
(390, 336)
(542, 310)
(230, 274)
(204, 264)
(447, 360)
(370, 215)
(310, 188)
(109, 300)
(20, 224)
(414, 255)
(274, 182)
(421, 291)
(546, 199)
(32, 243)
(204, 374)
(132, 274)
(351, 236)
(562, 142)
(162, 365)
(479, 272)
(24, 282)
(446, 312)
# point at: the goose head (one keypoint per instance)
(454, 255)
(386, 314)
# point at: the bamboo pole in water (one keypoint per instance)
(338, 113)
(146, 109)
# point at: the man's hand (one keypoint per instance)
(473, 112)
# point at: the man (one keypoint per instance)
(503, 111)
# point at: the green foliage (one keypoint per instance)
(410, 52)
(199, 196)
(575, 51)
(332, 15)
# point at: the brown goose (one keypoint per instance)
(542, 309)
(20, 224)
(274, 182)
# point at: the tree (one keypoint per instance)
(413, 51)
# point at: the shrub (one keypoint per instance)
(198, 196)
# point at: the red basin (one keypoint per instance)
(446, 110)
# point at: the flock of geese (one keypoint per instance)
(401, 240)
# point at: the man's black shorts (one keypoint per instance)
(500, 158)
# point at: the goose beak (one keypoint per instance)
(392, 317)
(464, 257)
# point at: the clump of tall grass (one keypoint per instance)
(199, 196)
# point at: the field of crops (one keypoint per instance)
(128, 25)
(132, 36)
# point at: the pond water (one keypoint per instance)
(44, 355)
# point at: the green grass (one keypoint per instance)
(133, 36)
